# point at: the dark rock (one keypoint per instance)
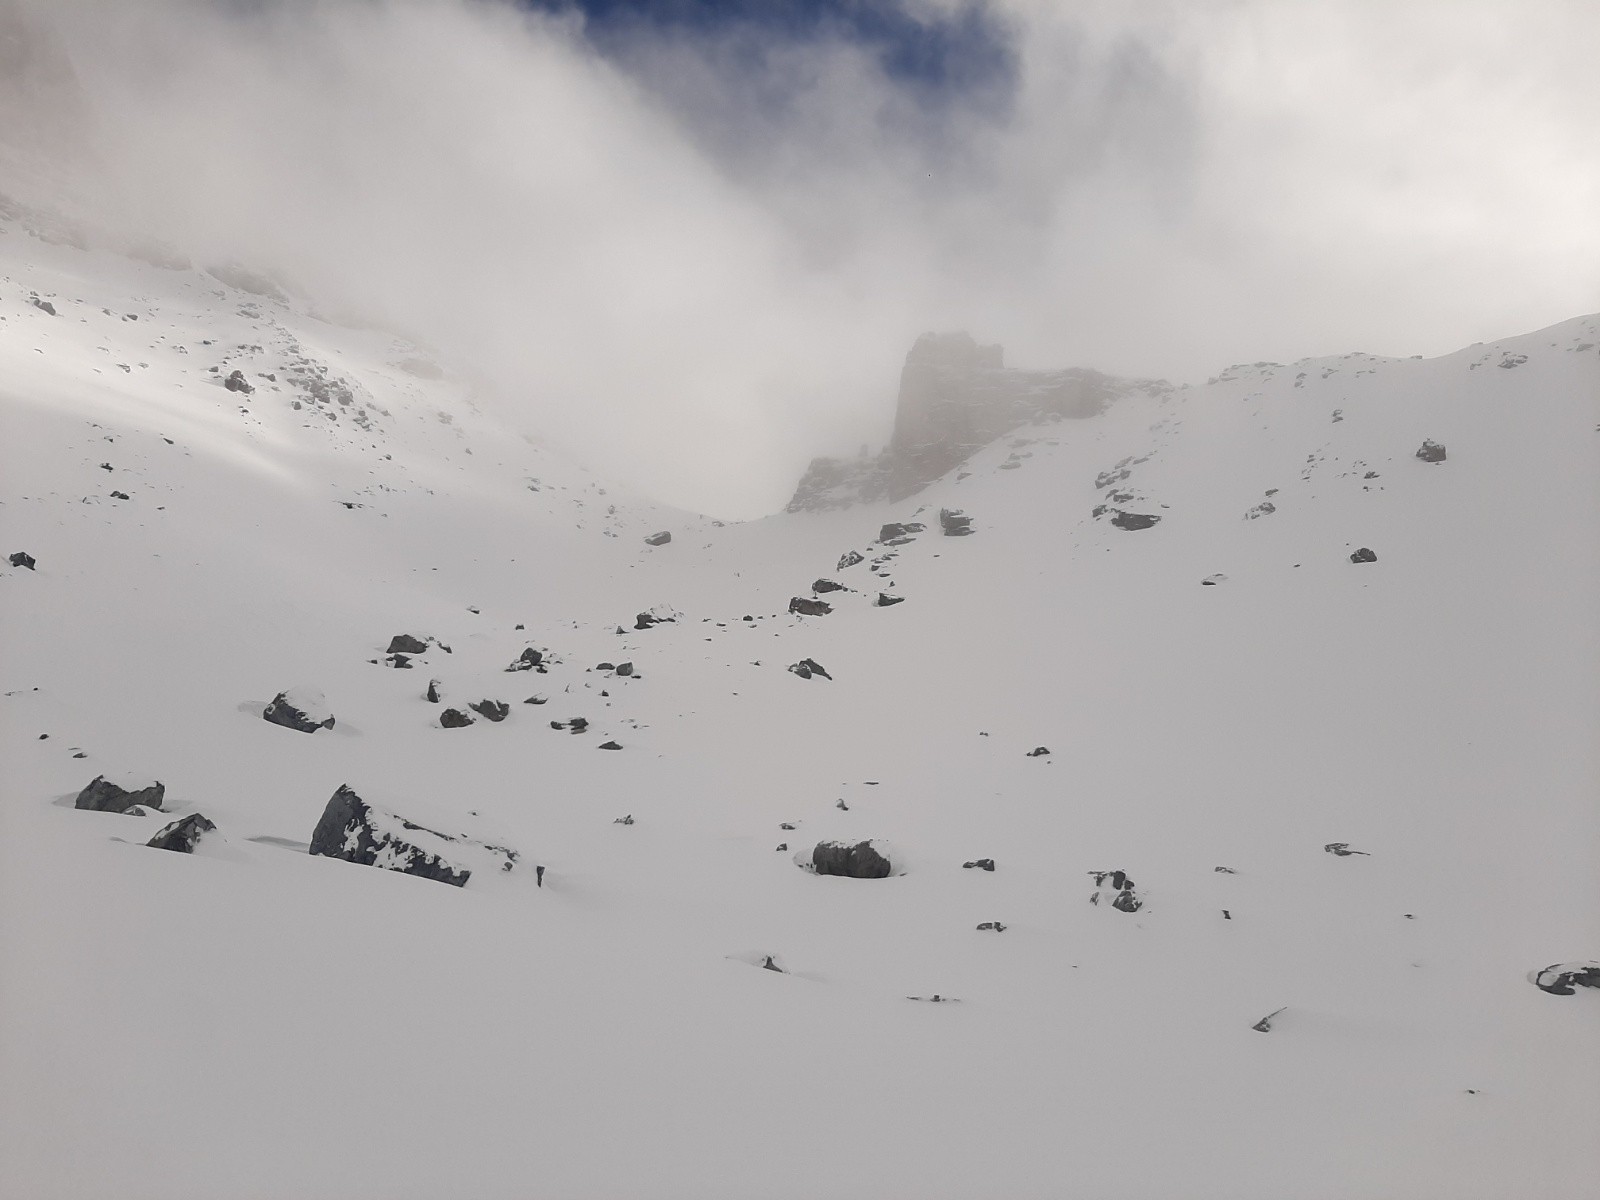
(454, 718)
(997, 926)
(1038, 751)
(768, 965)
(807, 667)
(491, 710)
(43, 306)
(605, 666)
(236, 382)
(809, 608)
(954, 522)
(785, 824)
(849, 559)
(1430, 451)
(884, 600)
(1363, 555)
(23, 559)
(183, 834)
(404, 643)
(982, 864)
(827, 585)
(1342, 849)
(1124, 898)
(529, 660)
(898, 533)
(399, 662)
(1561, 978)
(1128, 520)
(120, 496)
(537, 700)
(358, 832)
(611, 745)
(783, 845)
(627, 820)
(301, 710)
(624, 669)
(578, 724)
(658, 539)
(104, 796)
(1265, 1024)
(433, 691)
(860, 861)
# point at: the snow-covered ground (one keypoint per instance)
(254, 1021)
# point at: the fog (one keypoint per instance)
(694, 256)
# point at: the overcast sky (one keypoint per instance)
(692, 241)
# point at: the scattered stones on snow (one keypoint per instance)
(354, 830)
(1364, 555)
(1265, 1024)
(806, 607)
(491, 710)
(827, 585)
(1038, 751)
(807, 667)
(183, 835)
(454, 718)
(981, 864)
(660, 615)
(954, 522)
(404, 643)
(1431, 451)
(23, 559)
(659, 539)
(120, 496)
(302, 709)
(849, 559)
(104, 796)
(236, 382)
(884, 600)
(1342, 849)
(1512, 360)
(1560, 979)
(863, 860)
(1124, 898)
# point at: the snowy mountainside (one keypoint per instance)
(255, 1020)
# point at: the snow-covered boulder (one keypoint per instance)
(183, 834)
(359, 832)
(1560, 979)
(1117, 889)
(491, 710)
(120, 795)
(305, 709)
(863, 860)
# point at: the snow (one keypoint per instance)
(254, 1021)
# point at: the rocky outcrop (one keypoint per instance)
(898, 533)
(356, 831)
(299, 708)
(827, 585)
(1130, 520)
(531, 659)
(236, 382)
(104, 796)
(848, 559)
(884, 600)
(863, 860)
(183, 835)
(956, 396)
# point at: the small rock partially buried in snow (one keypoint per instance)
(1364, 555)
(659, 539)
(1560, 979)
(303, 709)
(104, 796)
(183, 834)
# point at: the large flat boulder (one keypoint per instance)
(371, 835)
(104, 795)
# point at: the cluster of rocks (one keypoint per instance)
(1123, 896)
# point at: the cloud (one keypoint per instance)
(695, 248)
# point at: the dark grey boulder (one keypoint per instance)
(1128, 520)
(954, 522)
(399, 661)
(183, 834)
(358, 832)
(884, 600)
(809, 608)
(624, 669)
(605, 666)
(981, 864)
(22, 559)
(432, 694)
(658, 539)
(300, 710)
(897, 533)
(1038, 751)
(236, 382)
(530, 659)
(1123, 898)
(1431, 451)
(827, 585)
(454, 718)
(43, 306)
(859, 861)
(611, 745)
(491, 710)
(849, 559)
(1560, 979)
(104, 796)
(807, 667)
(1363, 555)
(537, 698)
(404, 643)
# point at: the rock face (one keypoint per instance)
(658, 539)
(404, 643)
(356, 831)
(1561, 978)
(956, 396)
(809, 608)
(1430, 451)
(299, 708)
(22, 559)
(863, 860)
(104, 796)
(183, 835)
(1363, 555)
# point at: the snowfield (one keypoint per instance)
(1222, 694)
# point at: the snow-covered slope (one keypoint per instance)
(252, 1020)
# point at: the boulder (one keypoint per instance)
(1038, 751)
(1342, 850)
(22, 559)
(981, 864)
(1128, 520)
(849, 559)
(104, 796)
(898, 533)
(183, 834)
(1560, 979)
(624, 669)
(611, 745)
(399, 662)
(235, 382)
(884, 600)
(43, 306)
(1363, 555)
(954, 522)
(827, 585)
(491, 710)
(356, 831)
(404, 643)
(530, 659)
(537, 698)
(454, 718)
(1430, 451)
(1122, 896)
(432, 694)
(303, 709)
(807, 667)
(863, 860)
(658, 539)
(809, 608)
